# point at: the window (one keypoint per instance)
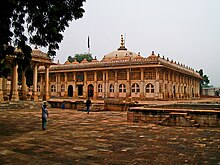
(111, 88)
(149, 88)
(53, 88)
(62, 88)
(135, 88)
(100, 88)
(122, 88)
(38, 88)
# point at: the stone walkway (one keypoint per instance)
(104, 138)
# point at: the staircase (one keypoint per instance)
(179, 119)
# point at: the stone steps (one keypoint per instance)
(179, 119)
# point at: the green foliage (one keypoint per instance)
(205, 81)
(80, 57)
(70, 59)
(34, 21)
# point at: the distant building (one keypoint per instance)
(211, 91)
(121, 74)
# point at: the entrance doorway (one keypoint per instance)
(80, 90)
(70, 91)
(90, 90)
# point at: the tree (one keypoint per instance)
(205, 81)
(70, 59)
(80, 57)
(34, 21)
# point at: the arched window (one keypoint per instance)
(135, 88)
(38, 88)
(53, 88)
(100, 88)
(122, 88)
(149, 88)
(111, 88)
(62, 88)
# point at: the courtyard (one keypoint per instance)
(75, 137)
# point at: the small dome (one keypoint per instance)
(120, 55)
(84, 61)
(75, 62)
(153, 56)
(139, 56)
(95, 60)
(67, 62)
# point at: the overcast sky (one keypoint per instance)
(187, 31)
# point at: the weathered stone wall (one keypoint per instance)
(169, 118)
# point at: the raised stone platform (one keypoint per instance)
(175, 116)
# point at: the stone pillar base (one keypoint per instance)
(14, 96)
(24, 95)
(35, 96)
(1, 96)
(47, 97)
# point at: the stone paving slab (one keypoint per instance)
(75, 137)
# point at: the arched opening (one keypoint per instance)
(135, 88)
(90, 90)
(149, 88)
(70, 91)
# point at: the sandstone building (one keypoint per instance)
(121, 74)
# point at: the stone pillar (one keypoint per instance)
(169, 88)
(24, 86)
(142, 84)
(35, 95)
(107, 86)
(95, 86)
(58, 85)
(74, 85)
(4, 87)
(128, 84)
(85, 89)
(1, 90)
(164, 82)
(47, 95)
(116, 85)
(14, 85)
(157, 84)
(103, 85)
(66, 87)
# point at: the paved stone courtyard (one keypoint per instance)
(75, 137)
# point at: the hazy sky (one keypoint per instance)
(187, 31)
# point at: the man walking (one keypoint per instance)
(88, 105)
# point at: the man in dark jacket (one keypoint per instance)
(88, 105)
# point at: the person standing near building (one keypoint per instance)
(45, 115)
(88, 105)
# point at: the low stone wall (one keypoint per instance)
(17, 105)
(208, 106)
(75, 105)
(169, 117)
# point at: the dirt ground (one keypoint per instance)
(75, 137)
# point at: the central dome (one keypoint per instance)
(121, 54)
